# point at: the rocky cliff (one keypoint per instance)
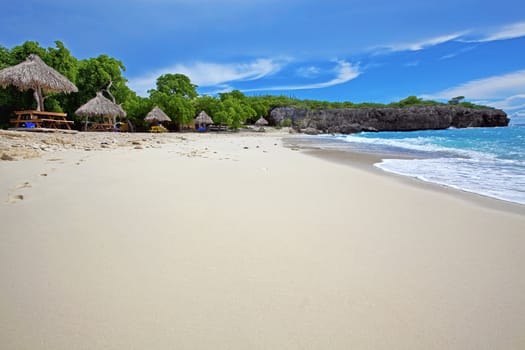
(351, 120)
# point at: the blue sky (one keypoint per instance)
(355, 50)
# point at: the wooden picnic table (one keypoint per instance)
(158, 128)
(41, 119)
(94, 126)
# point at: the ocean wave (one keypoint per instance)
(503, 180)
(487, 161)
(433, 147)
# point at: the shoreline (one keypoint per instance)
(367, 160)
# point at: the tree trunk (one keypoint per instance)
(37, 94)
(114, 119)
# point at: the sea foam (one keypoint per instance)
(486, 161)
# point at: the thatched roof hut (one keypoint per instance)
(157, 114)
(203, 119)
(261, 122)
(100, 106)
(34, 74)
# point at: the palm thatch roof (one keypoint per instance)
(157, 114)
(34, 74)
(100, 106)
(203, 118)
(261, 122)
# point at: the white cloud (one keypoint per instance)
(345, 72)
(509, 31)
(308, 72)
(506, 91)
(496, 87)
(512, 31)
(518, 114)
(211, 74)
(458, 52)
(421, 44)
(510, 103)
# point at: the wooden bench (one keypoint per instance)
(58, 121)
(218, 127)
(101, 127)
(55, 123)
(40, 119)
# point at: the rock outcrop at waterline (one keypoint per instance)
(352, 120)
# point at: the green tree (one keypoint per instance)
(235, 94)
(456, 100)
(260, 106)
(236, 112)
(410, 101)
(60, 59)
(11, 98)
(176, 84)
(208, 104)
(21, 52)
(5, 57)
(94, 75)
(178, 108)
(173, 95)
(136, 108)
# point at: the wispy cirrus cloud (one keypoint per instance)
(308, 72)
(506, 32)
(421, 44)
(511, 103)
(500, 86)
(458, 52)
(345, 71)
(505, 91)
(211, 74)
(208, 74)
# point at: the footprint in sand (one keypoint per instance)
(15, 198)
(81, 160)
(24, 185)
(12, 197)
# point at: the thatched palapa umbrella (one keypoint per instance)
(34, 74)
(100, 106)
(203, 119)
(157, 114)
(261, 122)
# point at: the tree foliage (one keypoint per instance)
(176, 84)
(173, 95)
(456, 100)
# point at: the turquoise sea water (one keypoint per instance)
(487, 161)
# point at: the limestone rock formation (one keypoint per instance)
(352, 120)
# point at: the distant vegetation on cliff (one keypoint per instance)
(175, 94)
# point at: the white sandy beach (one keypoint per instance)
(206, 241)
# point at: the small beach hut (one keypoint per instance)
(102, 107)
(157, 115)
(261, 122)
(203, 120)
(34, 74)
